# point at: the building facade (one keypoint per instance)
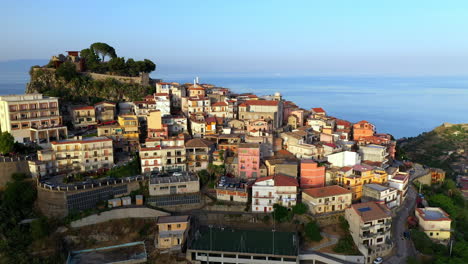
(172, 231)
(328, 199)
(249, 160)
(32, 118)
(435, 222)
(370, 225)
(311, 174)
(278, 189)
(74, 155)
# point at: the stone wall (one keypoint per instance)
(142, 80)
(8, 167)
(119, 213)
(329, 219)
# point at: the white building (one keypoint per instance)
(163, 103)
(400, 182)
(345, 158)
(175, 124)
(278, 189)
(376, 192)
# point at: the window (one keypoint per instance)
(431, 234)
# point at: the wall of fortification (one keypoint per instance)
(8, 167)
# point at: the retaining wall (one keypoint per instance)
(8, 167)
(118, 213)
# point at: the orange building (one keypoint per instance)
(363, 129)
(311, 174)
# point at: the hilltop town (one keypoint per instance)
(196, 173)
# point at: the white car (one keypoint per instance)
(378, 260)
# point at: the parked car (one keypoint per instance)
(378, 260)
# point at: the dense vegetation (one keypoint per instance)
(7, 142)
(346, 244)
(450, 199)
(438, 148)
(73, 86)
(16, 238)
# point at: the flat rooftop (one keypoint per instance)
(182, 178)
(433, 214)
(245, 241)
(377, 187)
(134, 252)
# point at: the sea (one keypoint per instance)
(401, 106)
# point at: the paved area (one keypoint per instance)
(404, 247)
(333, 240)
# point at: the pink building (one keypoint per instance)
(300, 116)
(249, 160)
(311, 174)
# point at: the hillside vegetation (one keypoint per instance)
(72, 85)
(444, 147)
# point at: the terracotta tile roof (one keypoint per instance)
(345, 169)
(219, 104)
(331, 145)
(249, 145)
(280, 180)
(210, 119)
(103, 102)
(262, 102)
(362, 167)
(318, 110)
(362, 122)
(83, 108)
(243, 105)
(371, 211)
(326, 191)
(198, 143)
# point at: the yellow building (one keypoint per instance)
(32, 118)
(125, 134)
(327, 199)
(435, 222)
(172, 231)
(74, 155)
(353, 178)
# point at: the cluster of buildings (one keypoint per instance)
(271, 152)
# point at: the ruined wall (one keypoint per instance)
(8, 167)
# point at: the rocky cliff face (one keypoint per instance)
(84, 88)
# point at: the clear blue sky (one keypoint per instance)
(302, 37)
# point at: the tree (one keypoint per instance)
(149, 66)
(92, 60)
(131, 67)
(103, 50)
(7, 142)
(67, 71)
(440, 200)
(312, 231)
(280, 213)
(39, 228)
(117, 65)
(300, 208)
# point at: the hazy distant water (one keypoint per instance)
(402, 106)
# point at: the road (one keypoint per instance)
(405, 247)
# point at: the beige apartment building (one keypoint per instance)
(84, 116)
(435, 222)
(172, 231)
(73, 155)
(327, 199)
(370, 226)
(178, 183)
(163, 155)
(105, 111)
(32, 118)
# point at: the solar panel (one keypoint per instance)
(364, 209)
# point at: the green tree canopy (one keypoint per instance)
(104, 50)
(67, 71)
(117, 65)
(7, 142)
(280, 213)
(300, 208)
(446, 203)
(312, 231)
